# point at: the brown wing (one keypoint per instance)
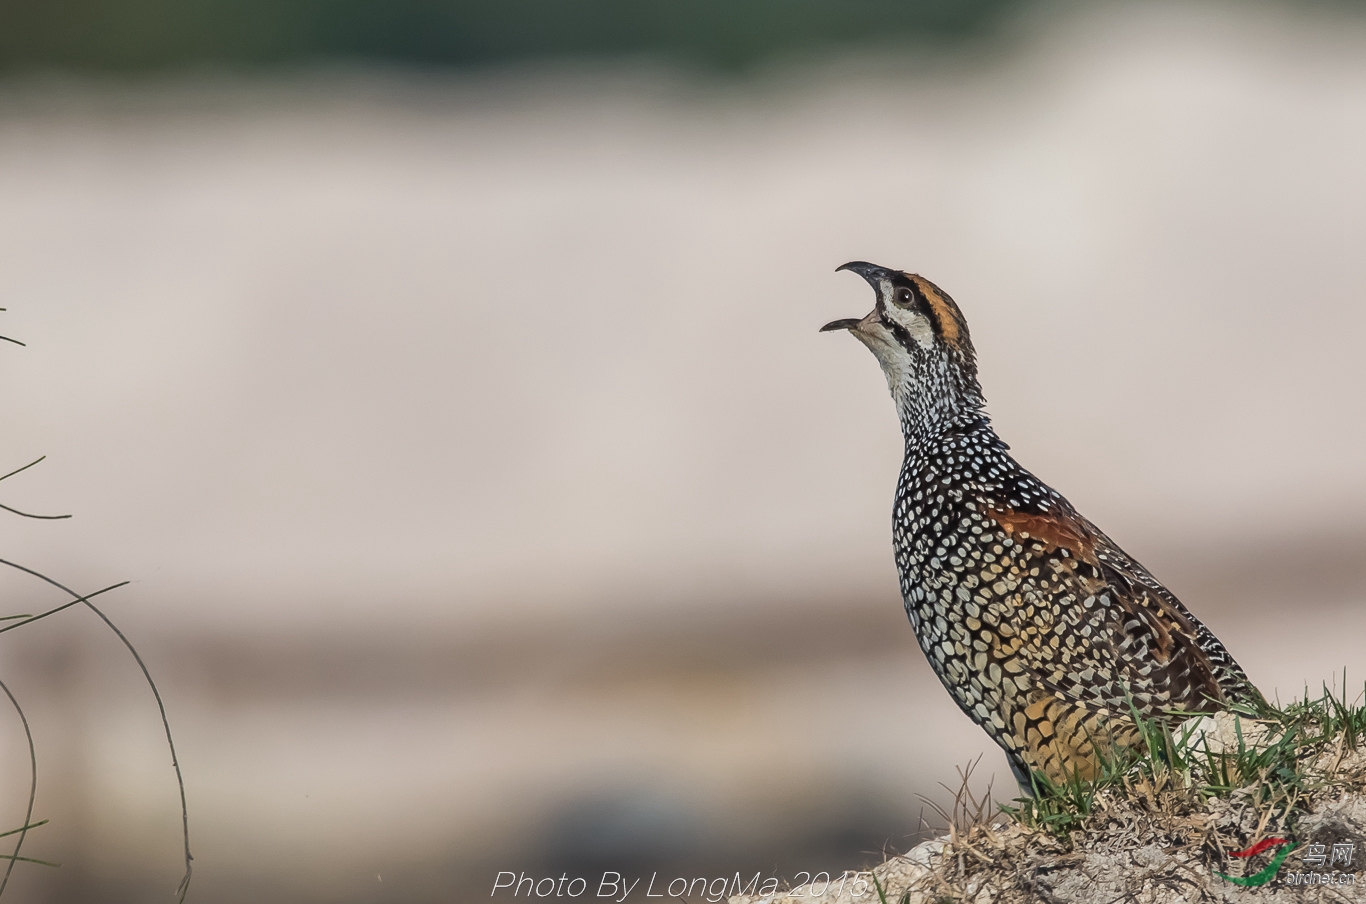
(1232, 683)
(1102, 632)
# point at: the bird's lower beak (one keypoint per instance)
(853, 323)
(847, 323)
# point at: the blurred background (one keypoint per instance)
(445, 377)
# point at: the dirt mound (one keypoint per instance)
(1151, 836)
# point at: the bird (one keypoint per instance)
(1044, 631)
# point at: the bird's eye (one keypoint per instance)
(904, 296)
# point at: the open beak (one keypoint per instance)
(874, 274)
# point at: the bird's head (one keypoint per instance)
(921, 340)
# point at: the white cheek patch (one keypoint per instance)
(921, 331)
(916, 324)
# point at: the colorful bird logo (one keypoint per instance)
(1269, 872)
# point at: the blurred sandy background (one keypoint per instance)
(492, 502)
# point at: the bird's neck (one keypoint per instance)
(930, 412)
(924, 437)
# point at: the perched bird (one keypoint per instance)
(1044, 631)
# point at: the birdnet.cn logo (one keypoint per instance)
(1319, 863)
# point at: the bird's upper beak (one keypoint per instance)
(874, 274)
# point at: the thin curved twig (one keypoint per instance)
(30, 515)
(32, 787)
(27, 619)
(25, 467)
(27, 514)
(184, 886)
